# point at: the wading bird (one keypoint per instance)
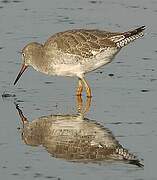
(76, 52)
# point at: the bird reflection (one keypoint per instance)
(75, 138)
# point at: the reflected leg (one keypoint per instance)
(80, 105)
(88, 104)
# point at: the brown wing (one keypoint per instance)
(82, 42)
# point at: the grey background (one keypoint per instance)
(124, 103)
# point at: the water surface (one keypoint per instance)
(124, 92)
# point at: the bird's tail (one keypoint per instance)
(129, 157)
(126, 37)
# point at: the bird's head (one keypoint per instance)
(30, 54)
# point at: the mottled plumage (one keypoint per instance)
(81, 42)
(76, 52)
(75, 138)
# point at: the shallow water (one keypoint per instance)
(124, 92)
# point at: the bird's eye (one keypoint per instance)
(23, 54)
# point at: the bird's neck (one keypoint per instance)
(40, 63)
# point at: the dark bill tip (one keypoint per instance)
(23, 68)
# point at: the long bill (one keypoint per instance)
(23, 68)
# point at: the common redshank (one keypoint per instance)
(76, 52)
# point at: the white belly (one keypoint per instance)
(68, 70)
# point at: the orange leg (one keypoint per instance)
(80, 88)
(88, 89)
